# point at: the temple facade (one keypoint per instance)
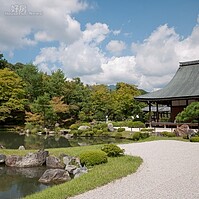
(181, 91)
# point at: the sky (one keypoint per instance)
(139, 42)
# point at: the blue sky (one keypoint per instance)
(102, 41)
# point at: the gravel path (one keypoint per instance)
(170, 171)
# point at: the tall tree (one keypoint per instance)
(55, 84)
(33, 79)
(12, 94)
(101, 101)
(124, 104)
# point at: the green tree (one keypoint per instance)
(59, 108)
(43, 107)
(55, 83)
(124, 104)
(101, 101)
(33, 79)
(11, 94)
(77, 96)
(189, 114)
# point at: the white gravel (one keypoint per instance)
(170, 170)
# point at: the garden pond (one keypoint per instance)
(19, 182)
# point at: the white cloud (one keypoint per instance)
(95, 33)
(47, 20)
(115, 69)
(156, 55)
(115, 46)
(116, 32)
(76, 59)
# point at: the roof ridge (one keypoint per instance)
(187, 63)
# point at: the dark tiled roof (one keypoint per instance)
(184, 85)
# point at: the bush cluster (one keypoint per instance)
(194, 139)
(136, 136)
(140, 135)
(167, 134)
(112, 150)
(138, 124)
(93, 157)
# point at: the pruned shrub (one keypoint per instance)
(147, 129)
(112, 150)
(194, 139)
(167, 134)
(136, 136)
(120, 129)
(144, 135)
(138, 124)
(93, 157)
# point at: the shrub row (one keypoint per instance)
(167, 134)
(139, 135)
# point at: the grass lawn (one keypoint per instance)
(97, 176)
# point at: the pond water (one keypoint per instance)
(18, 182)
(11, 140)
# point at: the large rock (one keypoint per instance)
(83, 128)
(29, 160)
(54, 162)
(182, 130)
(2, 158)
(110, 127)
(54, 176)
(79, 171)
(21, 147)
(70, 168)
(70, 160)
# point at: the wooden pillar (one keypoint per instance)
(149, 114)
(157, 112)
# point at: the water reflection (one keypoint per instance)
(19, 182)
(12, 140)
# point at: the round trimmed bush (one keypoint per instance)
(136, 136)
(194, 139)
(93, 157)
(112, 150)
(138, 124)
(167, 134)
(144, 135)
(120, 129)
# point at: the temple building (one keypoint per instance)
(181, 91)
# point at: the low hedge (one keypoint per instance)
(167, 134)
